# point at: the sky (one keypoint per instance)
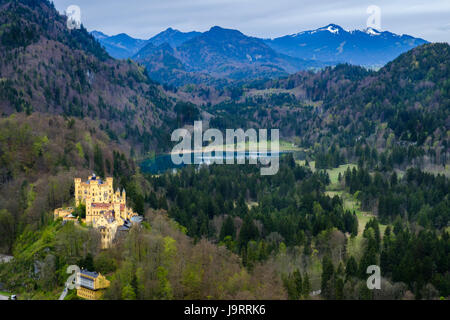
(143, 19)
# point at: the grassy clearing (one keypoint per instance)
(334, 175)
(355, 245)
(252, 204)
(335, 188)
(312, 164)
(283, 146)
(363, 216)
(288, 146)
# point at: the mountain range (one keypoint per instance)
(178, 58)
(369, 47)
(49, 69)
(120, 46)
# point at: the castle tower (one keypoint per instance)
(78, 192)
(116, 197)
(123, 199)
(109, 183)
(89, 215)
(116, 207)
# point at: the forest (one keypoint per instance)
(367, 182)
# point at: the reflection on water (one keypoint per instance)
(163, 162)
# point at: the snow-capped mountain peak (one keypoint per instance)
(368, 46)
(333, 28)
(372, 32)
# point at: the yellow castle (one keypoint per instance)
(105, 210)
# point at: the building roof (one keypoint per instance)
(137, 219)
(94, 178)
(92, 274)
(101, 205)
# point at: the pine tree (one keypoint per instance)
(248, 232)
(298, 283)
(339, 290)
(306, 286)
(327, 272)
(227, 228)
(351, 270)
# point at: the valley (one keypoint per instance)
(363, 177)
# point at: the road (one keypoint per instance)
(4, 297)
(63, 294)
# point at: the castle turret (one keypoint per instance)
(123, 199)
(109, 182)
(78, 191)
(89, 215)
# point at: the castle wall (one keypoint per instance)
(94, 190)
(105, 209)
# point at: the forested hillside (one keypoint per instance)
(402, 108)
(47, 68)
(302, 223)
(68, 110)
(40, 155)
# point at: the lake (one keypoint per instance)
(163, 162)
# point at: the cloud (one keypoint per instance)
(445, 27)
(262, 18)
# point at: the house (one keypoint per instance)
(92, 285)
